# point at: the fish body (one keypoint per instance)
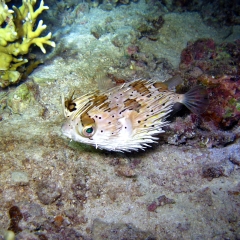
(127, 117)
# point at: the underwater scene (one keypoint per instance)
(119, 119)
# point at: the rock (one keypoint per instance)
(21, 98)
(125, 171)
(48, 192)
(216, 170)
(102, 230)
(203, 197)
(20, 178)
(160, 201)
(79, 186)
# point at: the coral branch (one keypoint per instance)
(17, 35)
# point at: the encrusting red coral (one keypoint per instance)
(218, 68)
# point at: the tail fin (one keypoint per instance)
(196, 100)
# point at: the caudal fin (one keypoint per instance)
(196, 100)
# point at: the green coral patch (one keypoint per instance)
(238, 106)
(43, 81)
(82, 147)
(20, 99)
(228, 113)
(232, 102)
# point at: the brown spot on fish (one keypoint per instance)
(70, 106)
(132, 104)
(160, 86)
(97, 100)
(104, 106)
(140, 87)
(86, 119)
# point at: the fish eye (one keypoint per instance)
(88, 131)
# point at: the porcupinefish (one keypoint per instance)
(127, 117)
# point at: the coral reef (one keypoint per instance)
(217, 67)
(110, 4)
(216, 12)
(17, 34)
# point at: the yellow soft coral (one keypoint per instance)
(17, 36)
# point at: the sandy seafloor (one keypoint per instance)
(102, 195)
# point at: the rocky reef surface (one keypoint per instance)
(185, 187)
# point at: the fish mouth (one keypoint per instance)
(66, 130)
